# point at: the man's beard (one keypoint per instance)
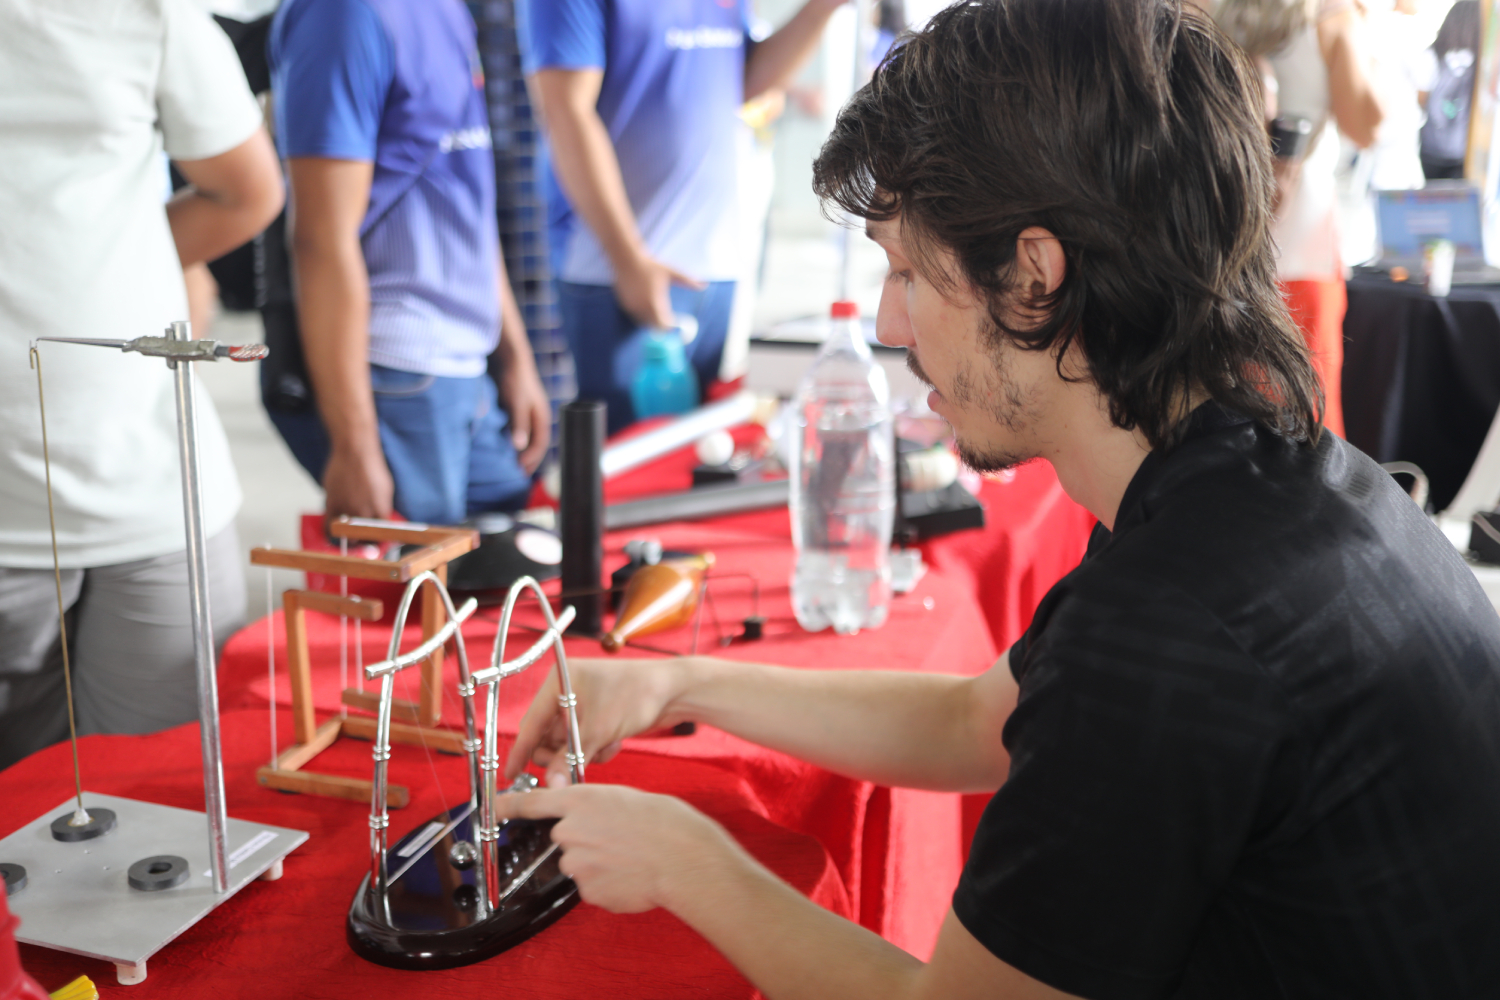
(1012, 410)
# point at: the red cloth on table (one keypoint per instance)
(1318, 308)
(285, 939)
(888, 858)
(898, 851)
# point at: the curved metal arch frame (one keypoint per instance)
(489, 761)
(385, 671)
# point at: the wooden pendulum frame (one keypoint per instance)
(465, 886)
(420, 719)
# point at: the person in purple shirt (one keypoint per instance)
(402, 295)
(639, 99)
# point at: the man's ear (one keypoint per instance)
(1040, 262)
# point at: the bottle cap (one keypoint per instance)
(658, 347)
(843, 310)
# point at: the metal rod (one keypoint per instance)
(203, 633)
(80, 814)
(472, 743)
(500, 668)
(271, 665)
(428, 647)
(536, 652)
(344, 636)
(386, 671)
(119, 344)
(740, 408)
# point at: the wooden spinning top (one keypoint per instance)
(657, 598)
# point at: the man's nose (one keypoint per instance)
(892, 325)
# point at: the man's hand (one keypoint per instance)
(358, 483)
(631, 851)
(584, 157)
(616, 699)
(628, 850)
(643, 287)
(526, 401)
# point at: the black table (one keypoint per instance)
(1421, 376)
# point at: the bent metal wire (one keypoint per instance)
(499, 669)
(483, 768)
(385, 672)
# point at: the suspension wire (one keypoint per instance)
(422, 730)
(80, 815)
(343, 636)
(271, 660)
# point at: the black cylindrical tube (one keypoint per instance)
(581, 513)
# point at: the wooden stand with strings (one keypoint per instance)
(420, 719)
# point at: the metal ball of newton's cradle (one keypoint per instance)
(463, 855)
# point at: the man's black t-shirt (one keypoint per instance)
(1257, 747)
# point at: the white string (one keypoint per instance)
(421, 730)
(271, 658)
(343, 636)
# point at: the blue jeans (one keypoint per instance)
(445, 440)
(607, 343)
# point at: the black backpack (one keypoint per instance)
(1445, 135)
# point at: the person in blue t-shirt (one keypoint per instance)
(639, 99)
(402, 295)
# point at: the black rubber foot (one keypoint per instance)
(15, 878)
(101, 821)
(154, 874)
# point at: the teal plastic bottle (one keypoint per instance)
(664, 383)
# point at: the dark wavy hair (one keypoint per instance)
(1130, 129)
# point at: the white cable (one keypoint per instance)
(271, 658)
(343, 635)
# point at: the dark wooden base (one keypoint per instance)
(429, 920)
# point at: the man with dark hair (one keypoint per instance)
(1251, 746)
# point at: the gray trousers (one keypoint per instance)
(130, 636)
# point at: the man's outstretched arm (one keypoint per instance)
(772, 63)
(329, 198)
(913, 730)
(229, 198)
(586, 165)
(631, 851)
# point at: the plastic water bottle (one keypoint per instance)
(843, 498)
(664, 383)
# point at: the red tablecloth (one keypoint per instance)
(283, 940)
(894, 854)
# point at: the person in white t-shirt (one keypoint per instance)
(91, 94)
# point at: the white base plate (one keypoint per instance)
(77, 898)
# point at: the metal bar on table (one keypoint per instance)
(704, 501)
(203, 633)
(526, 659)
(427, 648)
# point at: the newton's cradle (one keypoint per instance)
(118, 879)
